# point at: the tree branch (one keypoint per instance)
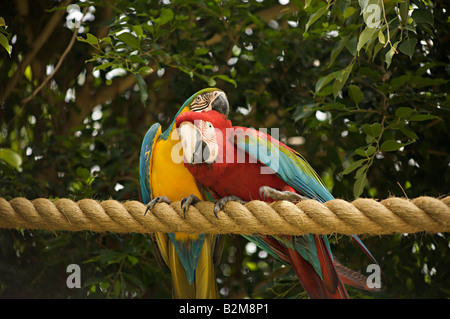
(58, 65)
(38, 43)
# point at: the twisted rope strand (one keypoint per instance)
(362, 216)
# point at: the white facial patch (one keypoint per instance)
(210, 139)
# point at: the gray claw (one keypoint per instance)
(156, 200)
(187, 202)
(220, 204)
(269, 192)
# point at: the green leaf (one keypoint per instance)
(225, 78)
(409, 132)
(316, 15)
(129, 39)
(351, 46)
(381, 37)
(4, 43)
(422, 16)
(355, 93)
(323, 81)
(12, 158)
(142, 88)
(363, 4)
(358, 187)
(165, 17)
(366, 152)
(407, 47)
(201, 51)
(91, 39)
(104, 66)
(370, 150)
(404, 111)
(341, 78)
(361, 152)
(390, 54)
(307, 3)
(137, 59)
(106, 40)
(399, 81)
(420, 82)
(337, 49)
(83, 173)
(404, 8)
(391, 145)
(377, 49)
(145, 70)
(373, 130)
(410, 27)
(348, 12)
(132, 259)
(303, 111)
(188, 72)
(138, 30)
(211, 81)
(28, 73)
(365, 36)
(353, 166)
(422, 117)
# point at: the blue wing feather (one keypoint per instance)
(290, 166)
(150, 138)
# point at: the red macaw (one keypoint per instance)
(190, 258)
(238, 163)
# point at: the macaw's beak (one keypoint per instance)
(193, 145)
(220, 103)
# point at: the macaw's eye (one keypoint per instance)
(198, 99)
(209, 125)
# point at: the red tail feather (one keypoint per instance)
(277, 248)
(331, 286)
(352, 278)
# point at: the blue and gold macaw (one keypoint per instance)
(239, 163)
(190, 258)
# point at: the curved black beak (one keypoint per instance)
(201, 153)
(220, 104)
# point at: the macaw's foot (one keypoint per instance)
(156, 200)
(220, 204)
(269, 192)
(187, 202)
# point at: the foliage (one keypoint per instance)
(364, 83)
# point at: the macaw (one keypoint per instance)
(238, 163)
(163, 178)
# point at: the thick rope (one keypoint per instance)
(362, 216)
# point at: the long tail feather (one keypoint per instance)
(310, 280)
(328, 287)
(352, 278)
(180, 285)
(364, 248)
(270, 245)
(205, 277)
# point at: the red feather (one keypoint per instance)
(225, 179)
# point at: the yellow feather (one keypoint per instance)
(205, 278)
(181, 287)
(173, 180)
